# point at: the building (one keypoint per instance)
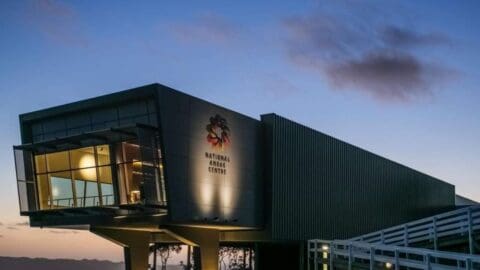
(152, 164)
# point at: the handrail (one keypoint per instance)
(69, 202)
(329, 253)
(461, 221)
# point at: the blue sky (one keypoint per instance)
(398, 78)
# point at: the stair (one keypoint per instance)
(349, 255)
(413, 245)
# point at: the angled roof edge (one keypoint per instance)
(133, 93)
(370, 152)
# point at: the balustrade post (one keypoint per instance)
(372, 258)
(332, 255)
(429, 265)
(397, 261)
(405, 235)
(350, 259)
(468, 264)
(435, 236)
(470, 231)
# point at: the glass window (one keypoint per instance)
(40, 164)
(82, 158)
(62, 193)
(138, 174)
(22, 192)
(103, 155)
(89, 174)
(105, 174)
(20, 164)
(131, 178)
(91, 194)
(43, 191)
(73, 178)
(107, 194)
(80, 192)
(131, 152)
(58, 161)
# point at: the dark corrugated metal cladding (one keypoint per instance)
(321, 187)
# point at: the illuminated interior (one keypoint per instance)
(130, 172)
(75, 178)
(99, 176)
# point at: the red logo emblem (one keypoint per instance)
(218, 132)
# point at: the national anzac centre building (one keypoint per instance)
(154, 165)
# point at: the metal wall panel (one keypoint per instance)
(197, 192)
(324, 188)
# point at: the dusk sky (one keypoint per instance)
(400, 79)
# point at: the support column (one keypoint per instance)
(135, 245)
(206, 239)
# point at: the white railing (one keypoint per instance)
(344, 254)
(464, 221)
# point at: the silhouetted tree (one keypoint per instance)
(165, 251)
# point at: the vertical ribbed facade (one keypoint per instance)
(320, 187)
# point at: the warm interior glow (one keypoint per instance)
(54, 192)
(85, 162)
(388, 265)
(137, 164)
(134, 196)
(75, 178)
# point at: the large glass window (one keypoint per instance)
(139, 173)
(75, 178)
(130, 171)
(84, 177)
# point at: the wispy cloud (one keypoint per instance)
(401, 37)
(205, 28)
(387, 75)
(278, 86)
(25, 223)
(62, 232)
(352, 52)
(57, 21)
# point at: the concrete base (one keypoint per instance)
(136, 243)
(206, 239)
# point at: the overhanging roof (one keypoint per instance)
(103, 136)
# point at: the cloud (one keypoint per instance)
(352, 52)
(389, 76)
(62, 232)
(402, 37)
(206, 28)
(278, 86)
(57, 21)
(25, 223)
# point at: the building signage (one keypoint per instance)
(218, 136)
